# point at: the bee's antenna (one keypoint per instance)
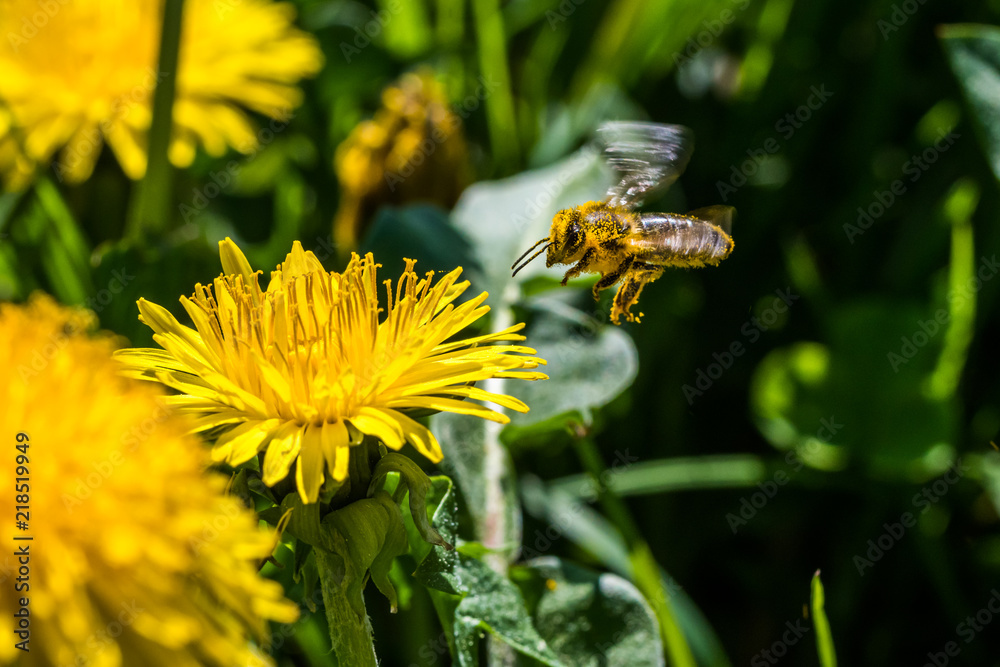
(528, 261)
(527, 251)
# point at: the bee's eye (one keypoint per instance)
(572, 236)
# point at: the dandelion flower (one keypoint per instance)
(412, 150)
(82, 73)
(305, 367)
(137, 556)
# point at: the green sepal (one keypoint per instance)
(414, 481)
(365, 537)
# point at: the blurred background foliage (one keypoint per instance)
(767, 419)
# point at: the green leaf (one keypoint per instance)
(468, 595)
(597, 536)
(824, 639)
(973, 52)
(478, 474)
(589, 365)
(437, 565)
(65, 240)
(415, 483)
(589, 618)
(489, 602)
(502, 218)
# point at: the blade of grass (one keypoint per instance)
(824, 639)
(149, 210)
(496, 82)
(645, 571)
(65, 251)
(450, 23)
(959, 207)
(677, 474)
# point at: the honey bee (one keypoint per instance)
(610, 238)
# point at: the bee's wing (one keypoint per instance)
(720, 216)
(648, 158)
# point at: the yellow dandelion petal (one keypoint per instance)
(380, 425)
(240, 444)
(309, 472)
(316, 359)
(281, 452)
(234, 262)
(418, 435)
(137, 556)
(77, 75)
(336, 443)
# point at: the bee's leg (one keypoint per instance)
(628, 294)
(581, 266)
(610, 279)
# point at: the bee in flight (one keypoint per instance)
(612, 239)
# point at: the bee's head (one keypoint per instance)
(565, 240)
(566, 237)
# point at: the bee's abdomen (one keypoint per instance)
(677, 240)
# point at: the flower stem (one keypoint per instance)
(502, 526)
(149, 210)
(645, 571)
(350, 633)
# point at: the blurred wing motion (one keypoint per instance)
(700, 238)
(647, 157)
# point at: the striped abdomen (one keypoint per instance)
(668, 239)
